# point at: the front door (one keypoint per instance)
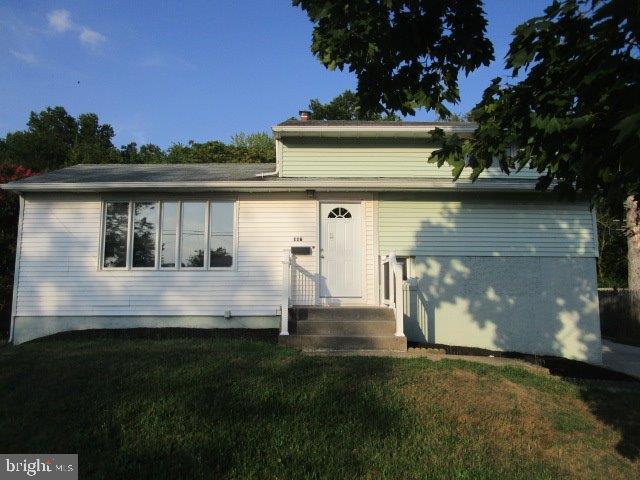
(340, 254)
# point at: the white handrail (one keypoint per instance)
(286, 292)
(396, 293)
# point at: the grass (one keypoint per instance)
(221, 408)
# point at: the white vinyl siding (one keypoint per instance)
(476, 226)
(369, 158)
(60, 273)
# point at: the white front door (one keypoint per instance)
(340, 254)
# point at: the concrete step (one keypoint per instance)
(336, 342)
(344, 327)
(342, 313)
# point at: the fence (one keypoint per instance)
(620, 314)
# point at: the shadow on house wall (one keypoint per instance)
(535, 304)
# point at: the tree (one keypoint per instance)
(8, 233)
(93, 142)
(575, 116)
(54, 138)
(405, 54)
(259, 146)
(46, 143)
(150, 153)
(345, 106)
(129, 153)
(612, 241)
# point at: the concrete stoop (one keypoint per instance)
(343, 330)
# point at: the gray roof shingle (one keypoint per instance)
(293, 122)
(173, 172)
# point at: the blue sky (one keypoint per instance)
(165, 72)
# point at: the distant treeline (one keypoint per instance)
(55, 139)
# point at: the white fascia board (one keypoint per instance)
(285, 185)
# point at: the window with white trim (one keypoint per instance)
(221, 221)
(192, 238)
(116, 240)
(168, 235)
(145, 224)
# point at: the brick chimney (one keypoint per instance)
(304, 115)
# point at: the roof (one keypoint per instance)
(235, 177)
(371, 123)
(163, 172)
(358, 128)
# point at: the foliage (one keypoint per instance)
(612, 243)
(259, 145)
(8, 232)
(345, 106)
(54, 139)
(167, 407)
(575, 116)
(93, 142)
(405, 54)
(148, 153)
(219, 152)
(45, 145)
(458, 117)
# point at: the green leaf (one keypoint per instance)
(627, 127)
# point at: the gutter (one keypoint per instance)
(284, 185)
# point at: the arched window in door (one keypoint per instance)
(339, 212)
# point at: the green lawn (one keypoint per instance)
(216, 408)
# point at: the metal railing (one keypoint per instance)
(393, 293)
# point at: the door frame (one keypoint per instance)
(325, 301)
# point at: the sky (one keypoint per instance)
(172, 71)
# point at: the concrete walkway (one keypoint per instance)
(621, 358)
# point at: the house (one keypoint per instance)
(351, 225)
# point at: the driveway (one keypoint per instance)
(621, 358)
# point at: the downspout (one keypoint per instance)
(278, 159)
(269, 174)
(16, 272)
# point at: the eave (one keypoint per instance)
(288, 185)
(360, 131)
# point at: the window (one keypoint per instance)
(116, 228)
(145, 222)
(221, 223)
(169, 234)
(192, 241)
(176, 234)
(339, 212)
